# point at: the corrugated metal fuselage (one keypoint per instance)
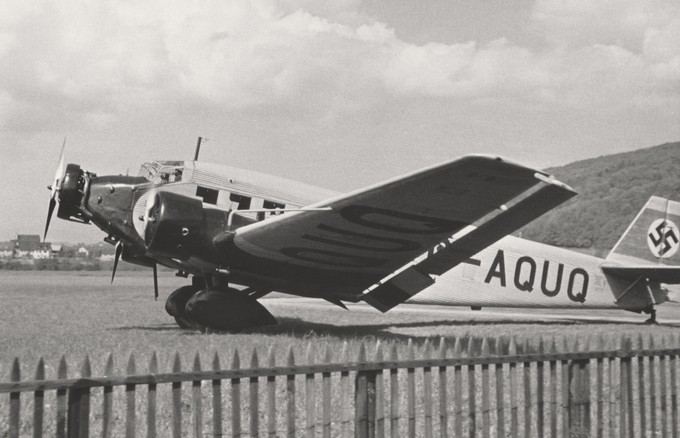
(516, 272)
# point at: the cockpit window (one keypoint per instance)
(162, 173)
(169, 175)
(149, 171)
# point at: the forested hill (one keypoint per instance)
(611, 191)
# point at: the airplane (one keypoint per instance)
(382, 244)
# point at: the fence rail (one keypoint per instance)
(469, 387)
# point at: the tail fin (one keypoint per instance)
(649, 247)
(653, 237)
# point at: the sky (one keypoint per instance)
(336, 93)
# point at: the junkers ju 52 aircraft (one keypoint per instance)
(382, 244)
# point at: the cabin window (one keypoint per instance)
(239, 201)
(273, 205)
(209, 195)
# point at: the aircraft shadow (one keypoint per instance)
(300, 328)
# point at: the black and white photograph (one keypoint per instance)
(340, 218)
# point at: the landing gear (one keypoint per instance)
(227, 309)
(652, 316)
(176, 304)
(218, 308)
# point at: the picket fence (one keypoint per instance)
(470, 387)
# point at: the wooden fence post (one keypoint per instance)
(472, 389)
(500, 391)
(379, 395)
(674, 389)
(107, 401)
(196, 400)
(627, 428)
(514, 404)
(427, 391)
(486, 389)
(151, 400)
(599, 388)
(39, 401)
(254, 398)
(642, 391)
(131, 395)
(290, 394)
(364, 396)
(540, 390)
(217, 398)
(443, 403)
(579, 396)
(79, 406)
(271, 395)
(14, 401)
(310, 396)
(411, 392)
(457, 390)
(663, 413)
(326, 395)
(177, 400)
(235, 397)
(62, 373)
(652, 367)
(394, 394)
(84, 426)
(526, 384)
(553, 388)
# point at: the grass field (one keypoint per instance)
(47, 314)
(50, 314)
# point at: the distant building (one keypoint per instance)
(6, 250)
(56, 249)
(30, 246)
(83, 252)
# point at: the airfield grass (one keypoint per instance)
(77, 314)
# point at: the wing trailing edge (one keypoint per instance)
(542, 197)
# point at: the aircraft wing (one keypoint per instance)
(365, 236)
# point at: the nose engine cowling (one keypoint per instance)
(71, 194)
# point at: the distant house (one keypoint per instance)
(6, 250)
(56, 249)
(30, 246)
(83, 252)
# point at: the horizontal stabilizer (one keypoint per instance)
(661, 274)
(544, 196)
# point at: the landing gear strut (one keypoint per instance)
(652, 316)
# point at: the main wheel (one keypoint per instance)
(176, 304)
(227, 310)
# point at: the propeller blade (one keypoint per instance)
(59, 173)
(155, 282)
(50, 210)
(54, 188)
(119, 251)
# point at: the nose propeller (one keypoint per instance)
(54, 187)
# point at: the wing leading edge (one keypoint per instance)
(369, 234)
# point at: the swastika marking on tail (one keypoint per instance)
(663, 238)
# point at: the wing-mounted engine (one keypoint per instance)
(179, 227)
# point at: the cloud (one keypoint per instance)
(78, 62)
